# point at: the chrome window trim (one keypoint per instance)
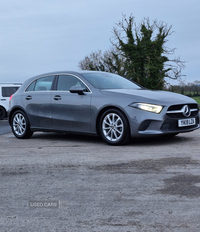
(46, 75)
(58, 74)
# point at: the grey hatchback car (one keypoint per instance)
(98, 103)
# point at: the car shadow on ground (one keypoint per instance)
(160, 140)
(66, 137)
(150, 141)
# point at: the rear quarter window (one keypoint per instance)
(41, 84)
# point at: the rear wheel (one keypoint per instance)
(20, 125)
(114, 127)
(2, 113)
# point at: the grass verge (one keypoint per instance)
(197, 99)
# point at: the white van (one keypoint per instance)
(6, 90)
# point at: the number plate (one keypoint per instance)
(186, 122)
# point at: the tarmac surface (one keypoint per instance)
(57, 182)
(4, 127)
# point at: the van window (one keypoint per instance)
(8, 91)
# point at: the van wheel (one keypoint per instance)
(2, 113)
(20, 125)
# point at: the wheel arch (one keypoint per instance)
(104, 110)
(13, 111)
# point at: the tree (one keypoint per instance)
(138, 53)
(189, 89)
(109, 61)
(197, 87)
(146, 56)
(95, 61)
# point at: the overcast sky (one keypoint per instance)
(38, 36)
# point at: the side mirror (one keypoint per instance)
(77, 89)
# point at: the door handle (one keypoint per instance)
(28, 97)
(57, 97)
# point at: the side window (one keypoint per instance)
(31, 87)
(8, 91)
(65, 82)
(41, 84)
(44, 83)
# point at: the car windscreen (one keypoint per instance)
(109, 81)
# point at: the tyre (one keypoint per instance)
(20, 125)
(2, 113)
(114, 128)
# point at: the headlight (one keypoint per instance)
(148, 107)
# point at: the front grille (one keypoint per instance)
(175, 111)
(180, 115)
(179, 107)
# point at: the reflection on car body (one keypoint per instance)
(98, 103)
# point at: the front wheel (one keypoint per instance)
(114, 127)
(20, 125)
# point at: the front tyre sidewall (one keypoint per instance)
(114, 127)
(20, 125)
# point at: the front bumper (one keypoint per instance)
(144, 124)
(169, 126)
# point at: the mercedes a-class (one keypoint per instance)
(98, 103)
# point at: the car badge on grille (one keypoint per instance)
(186, 111)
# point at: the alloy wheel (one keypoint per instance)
(113, 127)
(19, 124)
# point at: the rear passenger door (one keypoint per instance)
(36, 101)
(70, 111)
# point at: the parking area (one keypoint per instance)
(4, 127)
(57, 182)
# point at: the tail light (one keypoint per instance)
(10, 97)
